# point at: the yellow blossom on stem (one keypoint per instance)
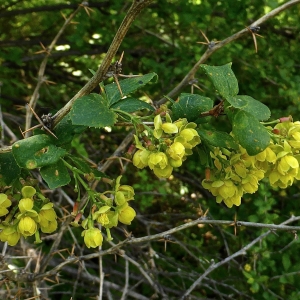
(25, 204)
(27, 226)
(126, 214)
(140, 158)
(10, 235)
(28, 191)
(47, 217)
(92, 237)
(4, 204)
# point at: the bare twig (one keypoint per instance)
(242, 251)
(125, 290)
(130, 240)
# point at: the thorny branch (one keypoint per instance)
(132, 13)
(215, 46)
(134, 10)
(242, 251)
(115, 249)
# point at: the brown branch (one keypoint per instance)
(212, 48)
(133, 12)
(116, 248)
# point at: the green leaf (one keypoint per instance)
(223, 79)
(82, 165)
(91, 110)
(131, 105)
(218, 138)
(128, 86)
(252, 135)
(286, 261)
(9, 169)
(56, 175)
(36, 151)
(65, 131)
(190, 106)
(252, 106)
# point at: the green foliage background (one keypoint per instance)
(164, 40)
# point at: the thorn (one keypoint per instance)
(205, 37)
(117, 82)
(63, 16)
(49, 82)
(42, 51)
(253, 31)
(86, 8)
(210, 44)
(120, 60)
(41, 123)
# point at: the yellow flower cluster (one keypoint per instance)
(169, 146)
(111, 211)
(28, 219)
(282, 157)
(235, 174)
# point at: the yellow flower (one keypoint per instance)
(103, 219)
(163, 173)
(4, 203)
(126, 214)
(27, 226)
(10, 235)
(120, 198)
(224, 190)
(25, 204)
(287, 163)
(191, 137)
(127, 191)
(92, 237)
(176, 151)
(28, 191)
(158, 160)
(169, 128)
(47, 217)
(140, 158)
(157, 132)
(247, 267)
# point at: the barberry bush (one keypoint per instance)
(202, 156)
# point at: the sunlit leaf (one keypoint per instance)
(91, 110)
(36, 151)
(223, 79)
(251, 134)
